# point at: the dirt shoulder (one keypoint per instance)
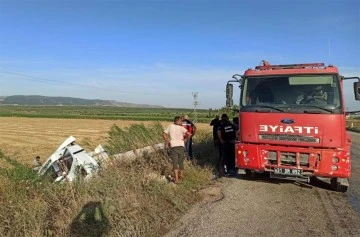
(267, 207)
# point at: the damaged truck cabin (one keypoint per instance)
(292, 122)
(68, 162)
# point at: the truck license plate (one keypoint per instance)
(287, 171)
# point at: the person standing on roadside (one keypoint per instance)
(36, 165)
(191, 128)
(237, 126)
(215, 123)
(178, 135)
(227, 135)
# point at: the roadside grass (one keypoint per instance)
(125, 199)
(205, 152)
(133, 137)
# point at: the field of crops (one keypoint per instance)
(24, 138)
(102, 112)
(27, 131)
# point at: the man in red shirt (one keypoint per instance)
(191, 128)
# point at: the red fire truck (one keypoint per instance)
(292, 122)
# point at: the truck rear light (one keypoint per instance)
(335, 159)
(334, 167)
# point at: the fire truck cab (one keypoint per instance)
(292, 122)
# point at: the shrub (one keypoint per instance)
(136, 136)
(18, 171)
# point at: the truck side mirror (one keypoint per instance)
(357, 90)
(229, 103)
(229, 91)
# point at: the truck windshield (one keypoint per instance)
(297, 93)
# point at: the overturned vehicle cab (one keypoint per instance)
(69, 162)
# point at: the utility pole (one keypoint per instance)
(195, 95)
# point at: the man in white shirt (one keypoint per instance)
(178, 135)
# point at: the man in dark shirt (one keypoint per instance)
(191, 128)
(215, 123)
(227, 135)
(236, 124)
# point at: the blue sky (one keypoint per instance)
(159, 52)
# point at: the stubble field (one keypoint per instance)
(355, 123)
(24, 138)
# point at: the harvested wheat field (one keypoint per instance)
(24, 138)
(355, 123)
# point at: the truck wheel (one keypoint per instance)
(313, 181)
(250, 174)
(337, 186)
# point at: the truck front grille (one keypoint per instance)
(288, 158)
(288, 138)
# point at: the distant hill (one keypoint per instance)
(47, 100)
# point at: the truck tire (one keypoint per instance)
(250, 174)
(314, 181)
(337, 186)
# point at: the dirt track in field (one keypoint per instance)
(24, 138)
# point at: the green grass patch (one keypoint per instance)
(103, 112)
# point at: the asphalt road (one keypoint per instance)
(354, 191)
(268, 207)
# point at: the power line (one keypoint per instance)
(46, 80)
(41, 79)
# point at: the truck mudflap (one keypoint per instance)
(340, 184)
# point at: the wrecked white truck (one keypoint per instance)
(69, 162)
